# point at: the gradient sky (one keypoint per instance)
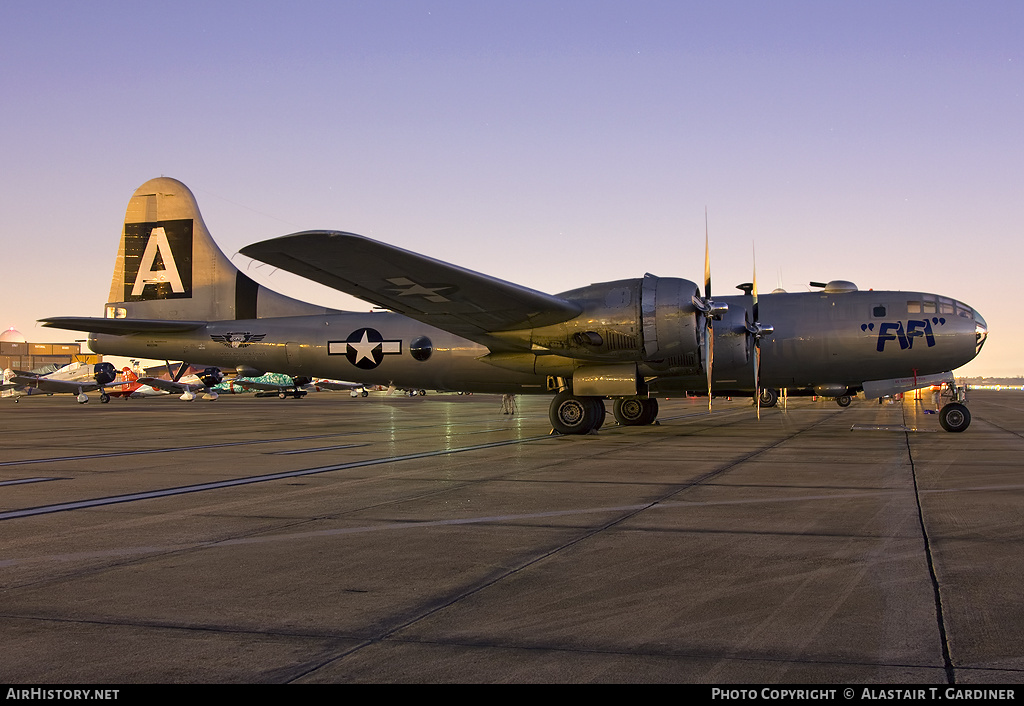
(553, 144)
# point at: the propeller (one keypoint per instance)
(710, 310)
(756, 329)
(181, 370)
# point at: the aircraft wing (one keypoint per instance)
(45, 384)
(120, 327)
(170, 385)
(268, 386)
(464, 302)
(337, 385)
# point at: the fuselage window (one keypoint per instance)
(913, 307)
(878, 311)
(964, 310)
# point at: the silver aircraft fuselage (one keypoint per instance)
(819, 338)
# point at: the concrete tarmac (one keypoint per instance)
(434, 539)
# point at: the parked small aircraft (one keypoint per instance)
(357, 389)
(175, 294)
(300, 386)
(199, 383)
(74, 378)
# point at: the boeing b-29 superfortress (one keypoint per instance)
(174, 294)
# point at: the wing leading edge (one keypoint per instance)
(464, 302)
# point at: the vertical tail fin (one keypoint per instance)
(169, 267)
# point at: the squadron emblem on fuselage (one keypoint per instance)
(238, 339)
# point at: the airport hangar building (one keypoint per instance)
(17, 353)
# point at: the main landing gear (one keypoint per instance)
(570, 414)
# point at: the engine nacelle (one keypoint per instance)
(732, 343)
(211, 376)
(651, 323)
(104, 373)
(635, 320)
(671, 323)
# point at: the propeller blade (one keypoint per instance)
(757, 375)
(709, 356)
(707, 259)
(757, 340)
(709, 331)
(181, 370)
(753, 288)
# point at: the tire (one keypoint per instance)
(769, 397)
(600, 412)
(572, 415)
(954, 417)
(635, 411)
(843, 400)
(651, 410)
(104, 398)
(629, 411)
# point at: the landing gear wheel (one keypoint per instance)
(954, 417)
(104, 397)
(599, 412)
(651, 405)
(635, 411)
(843, 400)
(574, 415)
(769, 397)
(629, 411)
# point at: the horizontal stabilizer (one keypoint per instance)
(120, 327)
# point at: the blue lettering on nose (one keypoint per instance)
(885, 335)
(894, 331)
(920, 328)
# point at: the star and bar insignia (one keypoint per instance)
(365, 348)
(405, 287)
